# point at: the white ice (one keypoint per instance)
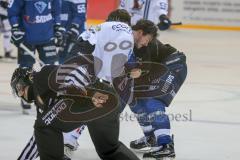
(209, 98)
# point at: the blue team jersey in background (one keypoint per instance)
(74, 11)
(36, 18)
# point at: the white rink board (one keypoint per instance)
(207, 12)
(211, 92)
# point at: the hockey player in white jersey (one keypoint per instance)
(153, 10)
(112, 51)
(5, 29)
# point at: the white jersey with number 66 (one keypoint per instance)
(113, 46)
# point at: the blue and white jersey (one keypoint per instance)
(74, 11)
(145, 9)
(36, 18)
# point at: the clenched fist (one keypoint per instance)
(99, 99)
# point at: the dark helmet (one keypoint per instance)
(120, 15)
(21, 78)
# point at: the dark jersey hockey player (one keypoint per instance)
(151, 111)
(54, 116)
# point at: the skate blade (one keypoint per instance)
(146, 149)
(165, 158)
(143, 150)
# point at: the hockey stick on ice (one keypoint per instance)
(30, 53)
(176, 23)
(160, 25)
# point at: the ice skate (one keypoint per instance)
(165, 152)
(143, 145)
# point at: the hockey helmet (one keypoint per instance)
(21, 78)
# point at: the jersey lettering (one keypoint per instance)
(43, 19)
(81, 8)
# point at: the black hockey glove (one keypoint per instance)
(17, 35)
(73, 32)
(59, 32)
(4, 4)
(164, 23)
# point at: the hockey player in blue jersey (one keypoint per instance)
(73, 18)
(36, 24)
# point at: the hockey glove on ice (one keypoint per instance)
(164, 23)
(17, 35)
(73, 32)
(59, 32)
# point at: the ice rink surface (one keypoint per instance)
(205, 113)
